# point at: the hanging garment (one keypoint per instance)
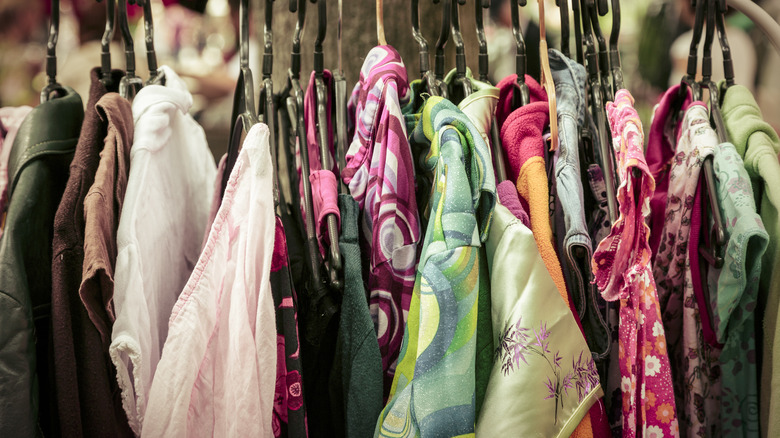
(621, 265)
(380, 176)
(695, 369)
(160, 229)
(10, 120)
(356, 379)
(84, 254)
(434, 386)
(319, 304)
(569, 78)
(758, 145)
(289, 413)
(324, 183)
(737, 285)
(661, 145)
(479, 107)
(521, 136)
(544, 379)
(38, 171)
(599, 225)
(510, 199)
(217, 373)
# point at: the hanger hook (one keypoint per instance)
(322, 28)
(521, 95)
(422, 43)
(51, 54)
(563, 7)
(483, 49)
(728, 65)
(105, 43)
(298, 6)
(268, 40)
(443, 37)
(151, 55)
(130, 83)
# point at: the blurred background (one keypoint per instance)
(198, 39)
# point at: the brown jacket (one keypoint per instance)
(86, 389)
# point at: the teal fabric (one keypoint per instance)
(358, 363)
(734, 303)
(433, 390)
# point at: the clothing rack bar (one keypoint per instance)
(761, 18)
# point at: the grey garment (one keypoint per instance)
(569, 78)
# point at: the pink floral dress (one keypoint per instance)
(621, 265)
(695, 363)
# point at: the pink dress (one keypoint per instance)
(621, 265)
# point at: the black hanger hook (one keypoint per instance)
(614, 52)
(322, 28)
(521, 95)
(563, 7)
(298, 6)
(483, 48)
(51, 54)
(151, 55)
(444, 35)
(728, 65)
(105, 44)
(268, 40)
(130, 83)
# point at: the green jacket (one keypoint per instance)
(38, 171)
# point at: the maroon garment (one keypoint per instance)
(86, 388)
(661, 147)
(697, 217)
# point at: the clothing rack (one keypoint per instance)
(761, 18)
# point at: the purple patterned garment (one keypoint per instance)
(380, 176)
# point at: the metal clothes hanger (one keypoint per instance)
(244, 114)
(53, 89)
(425, 68)
(521, 95)
(597, 111)
(495, 138)
(547, 81)
(105, 45)
(438, 67)
(563, 6)
(460, 53)
(334, 256)
(130, 83)
(155, 77)
(340, 96)
(294, 105)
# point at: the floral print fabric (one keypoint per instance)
(289, 416)
(735, 302)
(434, 387)
(380, 176)
(621, 265)
(694, 362)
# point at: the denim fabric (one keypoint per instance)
(569, 78)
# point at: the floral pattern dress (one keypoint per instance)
(735, 302)
(289, 416)
(621, 265)
(695, 367)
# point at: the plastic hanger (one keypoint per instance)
(425, 67)
(380, 23)
(563, 6)
(712, 252)
(155, 77)
(728, 65)
(591, 11)
(495, 138)
(597, 111)
(334, 256)
(614, 53)
(130, 83)
(244, 114)
(688, 81)
(53, 89)
(438, 66)
(578, 43)
(547, 81)
(520, 96)
(267, 107)
(294, 105)
(460, 53)
(105, 45)
(340, 95)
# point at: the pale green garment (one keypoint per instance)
(543, 379)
